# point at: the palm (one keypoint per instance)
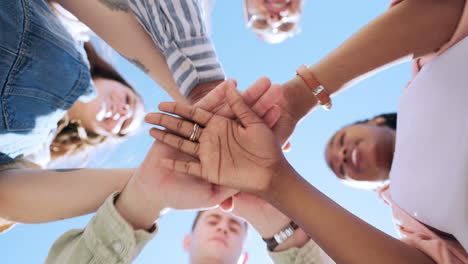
(177, 190)
(240, 154)
(239, 157)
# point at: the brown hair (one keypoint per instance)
(71, 137)
(199, 213)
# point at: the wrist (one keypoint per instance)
(202, 89)
(139, 206)
(298, 239)
(299, 98)
(271, 222)
(280, 175)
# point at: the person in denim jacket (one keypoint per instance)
(58, 96)
(43, 75)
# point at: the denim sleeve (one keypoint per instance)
(106, 239)
(178, 29)
(310, 253)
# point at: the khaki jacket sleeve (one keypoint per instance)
(310, 253)
(106, 239)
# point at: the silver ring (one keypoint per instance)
(193, 136)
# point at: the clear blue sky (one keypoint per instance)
(326, 24)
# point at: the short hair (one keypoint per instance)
(199, 213)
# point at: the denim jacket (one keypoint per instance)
(41, 75)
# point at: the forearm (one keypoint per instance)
(411, 28)
(120, 28)
(202, 89)
(268, 221)
(343, 236)
(139, 206)
(37, 196)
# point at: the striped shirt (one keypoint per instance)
(178, 29)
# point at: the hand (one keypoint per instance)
(261, 96)
(247, 153)
(295, 103)
(166, 188)
(153, 188)
(265, 218)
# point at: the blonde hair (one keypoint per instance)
(71, 137)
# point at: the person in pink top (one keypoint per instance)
(371, 147)
(428, 163)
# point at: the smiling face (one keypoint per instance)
(218, 237)
(361, 152)
(117, 110)
(273, 21)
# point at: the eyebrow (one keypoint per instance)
(330, 144)
(217, 216)
(234, 222)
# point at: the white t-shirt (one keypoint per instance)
(429, 175)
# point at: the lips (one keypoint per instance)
(355, 158)
(277, 6)
(220, 240)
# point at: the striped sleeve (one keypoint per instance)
(178, 29)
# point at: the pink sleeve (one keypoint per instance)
(442, 252)
(419, 236)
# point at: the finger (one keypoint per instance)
(187, 167)
(272, 116)
(256, 90)
(180, 126)
(268, 99)
(287, 147)
(246, 116)
(176, 142)
(227, 205)
(195, 114)
(214, 98)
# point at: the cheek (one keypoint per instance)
(296, 5)
(94, 106)
(257, 7)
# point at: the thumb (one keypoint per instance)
(287, 147)
(227, 205)
(245, 115)
(214, 98)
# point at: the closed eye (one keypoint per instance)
(342, 139)
(341, 170)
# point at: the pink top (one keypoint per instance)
(460, 33)
(414, 233)
(419, 236)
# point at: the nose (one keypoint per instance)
(342, 154)
(124, 110)
(222, 229)
(275, 17)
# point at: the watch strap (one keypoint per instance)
(281, 236)
(318, 90)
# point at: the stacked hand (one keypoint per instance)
(243, 154)
(154, 187)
